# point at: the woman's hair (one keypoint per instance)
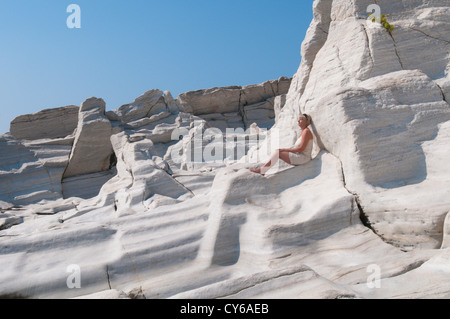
(307, 117)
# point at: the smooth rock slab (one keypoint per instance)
(31, 172)
(50, 123)
(92, 147)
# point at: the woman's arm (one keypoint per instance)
(306, 137)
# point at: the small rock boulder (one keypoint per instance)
(92, 147)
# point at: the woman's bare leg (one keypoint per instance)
(273, 160)
(285, 157)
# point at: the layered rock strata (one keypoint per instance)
(367, 218)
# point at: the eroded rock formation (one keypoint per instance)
(128, 198)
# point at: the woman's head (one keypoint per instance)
(304, 120)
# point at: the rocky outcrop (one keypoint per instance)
(32, 171)
(144, 106)
(379, 110)
(81, 157)
(92, 147)
(153, 199)
(50, 123)
(228, 106)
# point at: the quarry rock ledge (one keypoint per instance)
(101, 190)
(41, 125)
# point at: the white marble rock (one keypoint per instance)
(368, 217)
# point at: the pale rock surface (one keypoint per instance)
(173, 105)
(432, 274)
(252, 103)
(147, 104)
(50, 123)
(92, 147)
(87, 185)
(278, 104)
(226, 99)
(5, 206)
(31, 171)
(144, 178)
(379, 110)
(142, 217)
(7, 221)
(106, 294)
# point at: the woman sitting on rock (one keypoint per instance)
(298, 155)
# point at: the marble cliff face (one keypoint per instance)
(120, 196)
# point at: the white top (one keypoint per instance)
(309, 147)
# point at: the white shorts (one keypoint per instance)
(299, 159)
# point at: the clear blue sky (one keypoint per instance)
(125, 48)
